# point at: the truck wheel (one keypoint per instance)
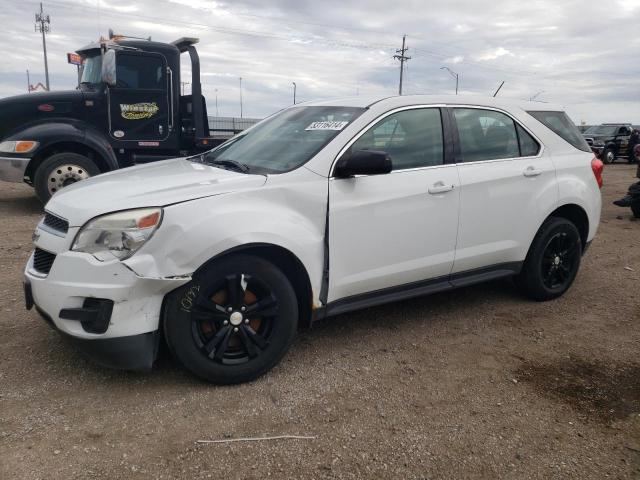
(233, 322)
(635, 208)
(553, 260)
(60, 170)
(609, 155)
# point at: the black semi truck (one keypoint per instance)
(126, 110)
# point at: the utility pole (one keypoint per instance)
(43, 23)
(28, 83)
(400, 55)
(294, 92)
(184, 84)
(216, 102)
(453, 74)
(240, 97)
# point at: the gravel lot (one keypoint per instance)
(475, 383)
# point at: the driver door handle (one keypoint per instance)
(531, 172)
(440, 187)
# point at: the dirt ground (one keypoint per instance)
(475, 383)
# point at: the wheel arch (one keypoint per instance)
(68, 136)
(576, 215)
(63, 147)
(290, 265)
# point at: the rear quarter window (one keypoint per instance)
(561, 125)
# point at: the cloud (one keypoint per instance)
(493, 54)
(345, 47)
(456, 59)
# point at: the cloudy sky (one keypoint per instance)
(580, 54)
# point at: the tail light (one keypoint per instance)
(597, 166)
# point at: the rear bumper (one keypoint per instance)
(12, 168)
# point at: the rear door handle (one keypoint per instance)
(531, 172)
(440, 187)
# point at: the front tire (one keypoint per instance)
(61, 170)
(608, 156)
(553, 260)
(233, 322)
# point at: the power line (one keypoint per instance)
(43, 23)
(400, 55)
(290, 38)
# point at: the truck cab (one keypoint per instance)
(126, 110)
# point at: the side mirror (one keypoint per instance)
(108, 73)
(363, 162)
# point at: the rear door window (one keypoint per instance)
(485, 135)
(528, 146)
(561, 125)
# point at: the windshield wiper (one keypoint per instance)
(225, 162)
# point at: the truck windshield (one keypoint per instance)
(92, 70)
(601, 130)
(285, 141)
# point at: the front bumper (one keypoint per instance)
(12, 168)
(110, 312)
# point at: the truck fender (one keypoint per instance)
(57, 132)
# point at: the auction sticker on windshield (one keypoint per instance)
(327, 126)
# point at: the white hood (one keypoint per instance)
(153, 185)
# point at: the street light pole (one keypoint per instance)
(294, 92)
(240, 97)
(453, 74)
(532, 98)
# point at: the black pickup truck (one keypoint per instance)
(609, 140)
(127, 110)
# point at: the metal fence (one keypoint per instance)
(230, 125)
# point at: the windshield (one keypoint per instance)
(601, 130)
(285, 141)
(92, 70)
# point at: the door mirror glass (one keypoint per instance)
(109, 68)
(363, 162)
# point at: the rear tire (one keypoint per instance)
(61, 170)
(233, 322)
(553, 260)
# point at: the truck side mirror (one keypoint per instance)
(108, 73)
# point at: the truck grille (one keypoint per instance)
(56, 223)
(43, 260)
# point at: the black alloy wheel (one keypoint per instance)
(553, 260)
(558, 260)
(234, 321)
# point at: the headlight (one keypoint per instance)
(18, 146)
(117, 235)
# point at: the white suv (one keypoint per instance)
(320, 209)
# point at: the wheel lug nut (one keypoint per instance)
(225, 323)
(235, 329)
(243, 308)
(229, 309)
(246, 320)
